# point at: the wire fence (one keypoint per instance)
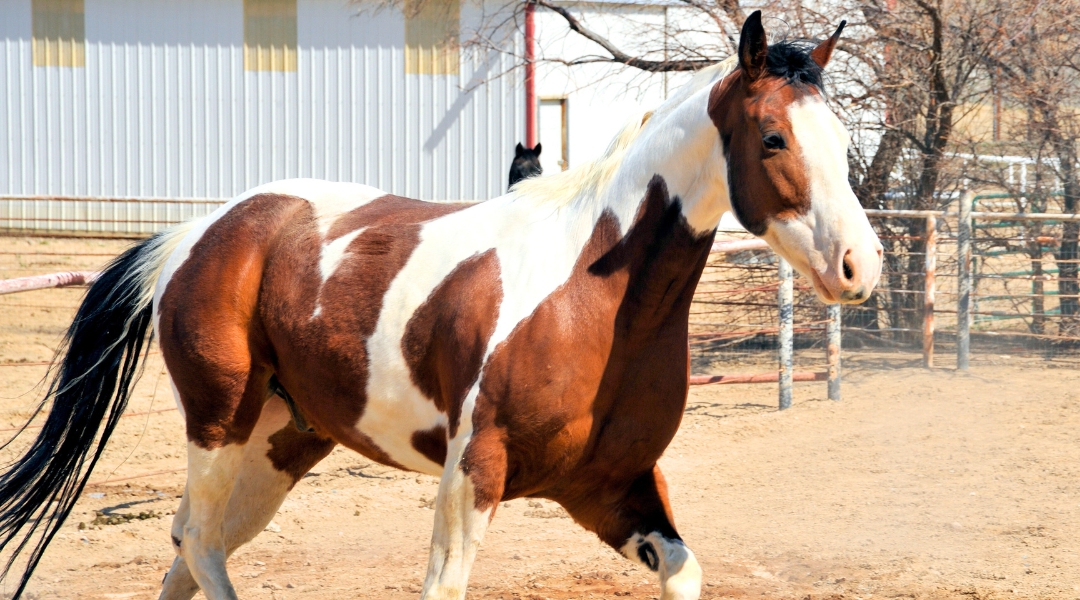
(738, 317)
(1012, 291)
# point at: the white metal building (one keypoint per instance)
(202, 99)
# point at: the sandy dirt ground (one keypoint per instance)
(919, 484)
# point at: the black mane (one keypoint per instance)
(791, 60)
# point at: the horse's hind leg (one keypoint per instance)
(179, 584)
(274, 459)
(199, 539)
(222, 395)
(638, 523)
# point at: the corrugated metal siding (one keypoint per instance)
(164, 108)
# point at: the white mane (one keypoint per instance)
(590, 179)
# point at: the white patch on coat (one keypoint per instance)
(678, 141)
(257, 494)
(333, 253)
(679, 571)
(538, 232)
(211, 477)
(329, 199)
(330, 257)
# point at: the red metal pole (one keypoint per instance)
(530, 74)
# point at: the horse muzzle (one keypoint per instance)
(852, 276)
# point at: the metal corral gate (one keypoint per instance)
(993, 277)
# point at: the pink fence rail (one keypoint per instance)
(53, 280)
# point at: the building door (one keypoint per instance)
(555, 155)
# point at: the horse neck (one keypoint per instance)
(682, 146)
(667, 195)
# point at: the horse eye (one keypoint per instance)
(774, 141)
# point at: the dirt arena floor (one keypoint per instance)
(918, 484)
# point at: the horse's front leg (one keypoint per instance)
(635, 519)
(471, 487)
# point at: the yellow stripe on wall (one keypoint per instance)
(269, 35)
(432, 29)
(59, 33)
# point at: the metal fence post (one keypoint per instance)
(928, 297)
(963, 301)
(832, 350)
(786, 298)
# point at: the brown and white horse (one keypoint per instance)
(532, 345)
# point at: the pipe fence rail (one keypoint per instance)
(1002, 282)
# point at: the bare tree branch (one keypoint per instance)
(617, 55)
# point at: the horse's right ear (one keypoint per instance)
(753, 48)
(518, 150)
(537, 148)
(823, 52)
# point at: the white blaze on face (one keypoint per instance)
(835, 232)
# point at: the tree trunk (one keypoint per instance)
(1070, 240)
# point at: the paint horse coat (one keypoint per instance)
(532, 345)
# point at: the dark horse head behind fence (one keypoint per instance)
(526, 163)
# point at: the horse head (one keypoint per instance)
(526, 163)
(787, 169)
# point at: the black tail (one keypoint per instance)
(89, 390)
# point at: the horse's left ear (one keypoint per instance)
(518, 150)
(823, 52)
(753, 48)
(537, 148)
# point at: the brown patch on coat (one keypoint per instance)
(764, 184)
(582, 398)
(431, 443)
(294, 453)
(576, 405)
(323, 361)
(217, 352)
(389, 210)
(446, 338)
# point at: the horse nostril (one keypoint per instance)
(849, 273)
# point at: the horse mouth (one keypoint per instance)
(821, 289)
